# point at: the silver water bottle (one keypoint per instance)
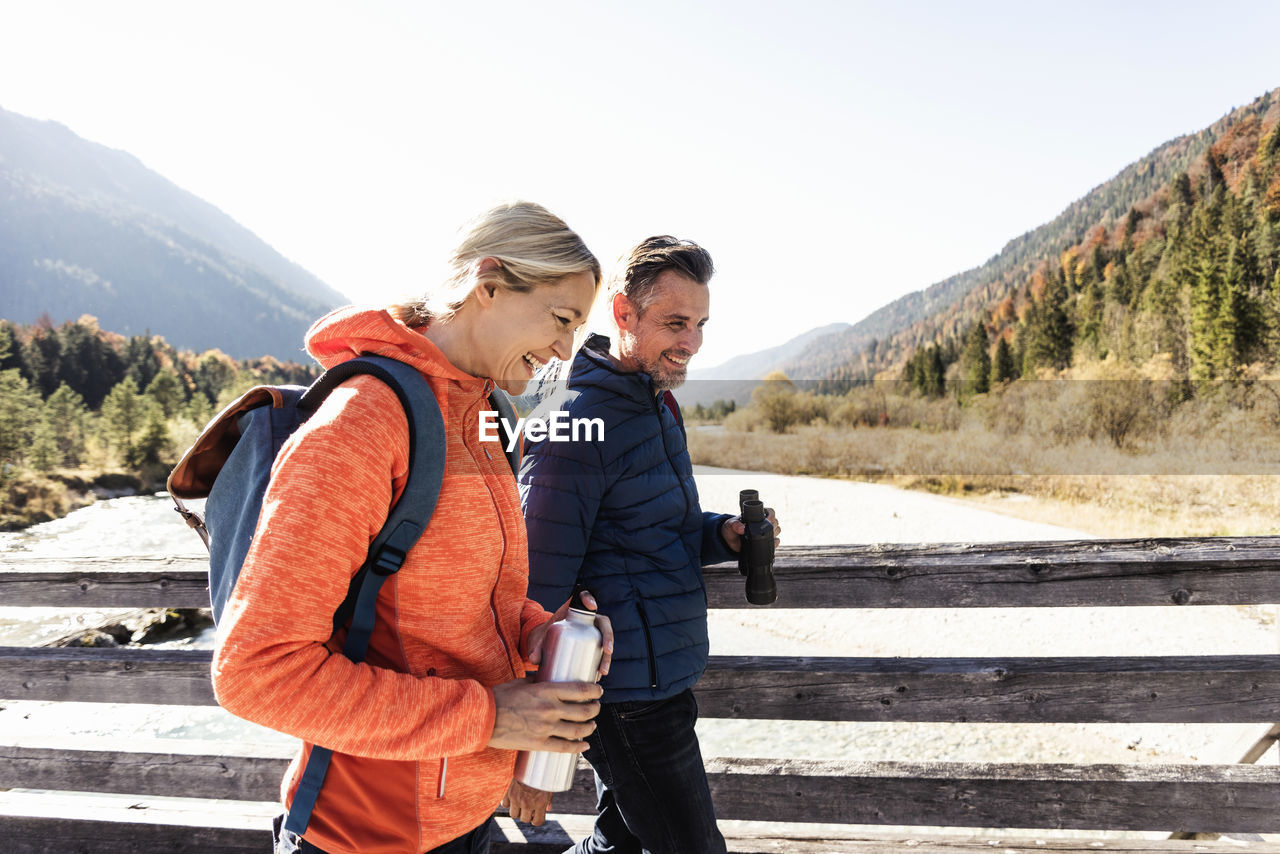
(571, 652)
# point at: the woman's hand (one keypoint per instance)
(553, 716)
(526, 804)
(538, 635)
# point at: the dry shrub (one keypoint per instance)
(1115, 450)
(31, 499)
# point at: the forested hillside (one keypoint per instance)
(1175, 257)
(1185, 284)
(77, 401)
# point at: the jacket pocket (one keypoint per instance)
(648, 644)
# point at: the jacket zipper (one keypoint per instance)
(493, 593)
(444, 760)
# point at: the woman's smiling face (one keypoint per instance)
(523, 331)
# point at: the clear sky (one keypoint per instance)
(832, 156)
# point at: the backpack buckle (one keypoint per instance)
(388, 561)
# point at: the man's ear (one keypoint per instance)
(624, 313)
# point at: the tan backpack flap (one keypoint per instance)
(193, 476)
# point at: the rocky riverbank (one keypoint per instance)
(32, 498)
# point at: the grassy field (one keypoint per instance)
(1221, 483)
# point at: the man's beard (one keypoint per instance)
(664, 379)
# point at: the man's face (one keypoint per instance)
(663, 339)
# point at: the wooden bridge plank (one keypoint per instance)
(1167, 689)
(112, 675)
(44, 835)
(104, 582)
(1164, 571)
(1192, 798)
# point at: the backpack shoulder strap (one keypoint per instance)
(409, 516)
(405, 523)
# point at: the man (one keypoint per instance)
(620, 516)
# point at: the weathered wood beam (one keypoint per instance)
(1200, 571)
(1164, 689)
(561, 831)
(128, 833)
(1190, 798)
(1193, 798)
(104, 582)
(1168, 571)
(1160, 689)
(174, 677)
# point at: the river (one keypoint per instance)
(812, 511)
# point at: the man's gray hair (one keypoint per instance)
(639, 269)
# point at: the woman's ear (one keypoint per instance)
(486, 288)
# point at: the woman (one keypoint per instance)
(424, 730)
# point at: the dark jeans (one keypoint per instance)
(651, 787)
(475, 842)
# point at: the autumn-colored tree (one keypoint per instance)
(778, 401)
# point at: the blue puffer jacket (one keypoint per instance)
(621, 517)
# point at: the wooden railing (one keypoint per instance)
(1180, 800)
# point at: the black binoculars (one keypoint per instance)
(755, 560)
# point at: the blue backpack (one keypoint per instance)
(230, 464)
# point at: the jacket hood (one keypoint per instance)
(347, 332)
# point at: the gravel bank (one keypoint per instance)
(817, 511)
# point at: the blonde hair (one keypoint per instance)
(531, 245)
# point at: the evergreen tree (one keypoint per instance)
(199, 410)
(67, 416)
(935, 373)
(1120, 285)
(214, 373)
(91, 366)
(165, 389)
(1203, 267)
(8, 346)
(1181, 198)
(1214, 180)
(1003, 366)
(19, 413)
(44, 447)
(41, 358)
(141, 362)
(1049, 332)
(124, 412)
(154, 445)
(977, 360)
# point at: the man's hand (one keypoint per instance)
(552, 716)
(733, 530)
(538, 635)
(526, 804)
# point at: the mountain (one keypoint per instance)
(86, 229)
(738, 377)
(942, 312)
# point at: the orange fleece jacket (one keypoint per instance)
(452, 623)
